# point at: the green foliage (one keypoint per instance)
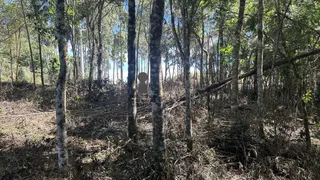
(307, 97)
(24, 75)
(54, 70)
(227, 50)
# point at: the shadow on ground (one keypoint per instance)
(97, 143)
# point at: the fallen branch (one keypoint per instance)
(265, 67)
(217, 86)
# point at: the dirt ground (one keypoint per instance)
(99, 149)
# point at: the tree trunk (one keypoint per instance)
(61, 88)
(260, 69)
(132, 104)
(11, 64)
(166, 66)
(30, 48)
(211, 62)
(221, 45)
(156, 19)
(186, 60)
(19, 53)
(91, 69)
(185, 57)
(99, 58)
(114, 59)
(74, 54)
(0, 76)
(201, 55)
(114, 71)
(81, 56)
(121, 60)
(41, 61)
(235, 67)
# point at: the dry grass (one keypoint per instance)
(99, 148)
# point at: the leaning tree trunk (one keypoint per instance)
(235, 66)
(61, 88)
(30, 48)
(132, 104)
(156, 19)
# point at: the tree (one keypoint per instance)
(61, 87)
(156, 19)
(36, 5)
(30, 48)
(260, 68)
(99, 59)
(236, 56)
(132, 104)
(188, 10)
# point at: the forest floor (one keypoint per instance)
(99, 148)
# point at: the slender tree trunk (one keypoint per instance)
(201, 56)
(211, 65)
(156, 20)
(187, 14)
(121, 60)
(41, 61)
(99, 58)
(132, 104)
(306, 125)
(74, 52)
(11, 64)
(186, 60)
(235, 67)
(221, 54)
(114, 60)
(18, 56)
(260, 69)
(0, 76)
(61, 88)
(30, 48)
(91, 68)
(166, 66)
(81, 56)
(114, 71)
(138, 38)
(117, 73)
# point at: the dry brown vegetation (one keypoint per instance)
(99, 148)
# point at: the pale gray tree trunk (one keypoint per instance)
(132, 103)
(236, 56)
(260, 69)
(61, 88)
(156, 19)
